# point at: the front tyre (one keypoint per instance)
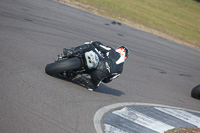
(63, 65)
(196, 92)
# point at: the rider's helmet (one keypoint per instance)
(124, 52)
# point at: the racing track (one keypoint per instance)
(33, 32)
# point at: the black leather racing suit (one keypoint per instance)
(110, 65)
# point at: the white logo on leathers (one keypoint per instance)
(107, 66)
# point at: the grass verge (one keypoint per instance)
(177, 20)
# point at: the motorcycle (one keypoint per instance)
(70, 66)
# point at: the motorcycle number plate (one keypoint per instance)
(92, 59)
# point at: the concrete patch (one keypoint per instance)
(146, 117)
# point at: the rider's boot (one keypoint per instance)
(68, 52)
(76, 50)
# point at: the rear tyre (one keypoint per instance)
(196, 92)
(64, 65)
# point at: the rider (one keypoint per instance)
(109, 67)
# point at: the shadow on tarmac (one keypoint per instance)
(102, 88)
(105, 89)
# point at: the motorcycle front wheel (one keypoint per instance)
(63, 65)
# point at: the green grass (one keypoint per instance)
(177, 18)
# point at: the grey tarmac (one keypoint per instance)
(34, 32)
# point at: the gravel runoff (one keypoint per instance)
(184, 130)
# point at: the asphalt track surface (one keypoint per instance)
(33, 32)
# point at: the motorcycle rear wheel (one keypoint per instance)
(63, 65)
(195, 93)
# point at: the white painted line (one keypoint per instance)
(112, 129)
(143, 120)
(183, 115)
